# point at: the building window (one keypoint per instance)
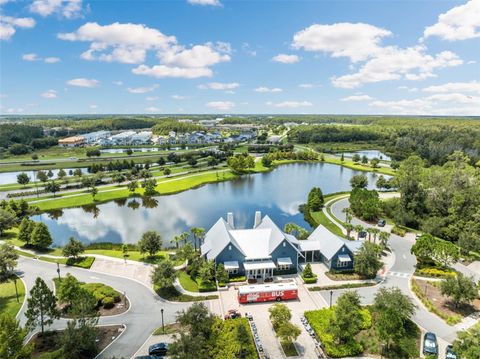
(230, 247)
(341, 264)
(232, 271)
(284, 244)
(284, 267)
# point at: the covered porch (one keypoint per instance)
(259, 269)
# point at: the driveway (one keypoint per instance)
(142, 318)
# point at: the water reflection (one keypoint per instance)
(277, 193)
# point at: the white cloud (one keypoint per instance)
(161, 71)
(264, 89)
(472, 86)
(205, 2)
(142, 89)
(67, 8)
(306, 86)
(178, 97)
(118, 83)
(152, 98)
(357, 41)
(82, 82)
(286, 59)
(289, 104)
(153, 109)
(471, 62)
(459, 23)
(49, 94)
(51, 60)
(93, 107)
(357, 98)
(248, 50)
(9, 24)
(129, 43)
(220, 105)
(30, 57)
(404, 107)
(219, 86)
(393, 63)
(458, 98)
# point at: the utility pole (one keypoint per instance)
(331, 294)
(163, 326)
(58, 270)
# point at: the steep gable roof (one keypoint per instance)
(276, 235)
(217, 238)
(329, 243)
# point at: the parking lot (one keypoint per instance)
(307, 301)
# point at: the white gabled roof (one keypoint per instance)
(254, 242)
(217, 238)
(328, 243)
(276, 235)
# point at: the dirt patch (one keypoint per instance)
(50, 341)
(442, 303)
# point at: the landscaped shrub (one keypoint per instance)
(101, 292)
(435, 272)
(398, 231)
(310, 280)
(236, 278)
(342, 286)
(108, 302)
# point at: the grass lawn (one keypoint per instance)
(320, 217)
(186, 282)
(173, 295)
(168, 329)
(8, 298)
(289, 349)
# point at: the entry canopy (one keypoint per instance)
(284, 261)
(259, 265)
(231, 265)
(344, 258)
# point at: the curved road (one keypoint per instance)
(398, 276)
(141, 319)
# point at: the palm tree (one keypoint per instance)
(348, 214)
(184, 236)
(358, 228)
(349, 227)
(375, 232)
(384, 237)
(370, 230)
(198, 234)
(177, 240)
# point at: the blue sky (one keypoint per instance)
(215, 56)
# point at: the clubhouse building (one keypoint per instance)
(265, 250)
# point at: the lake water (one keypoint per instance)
(369, 153)
(11, 177)
(277, 193)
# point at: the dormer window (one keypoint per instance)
(284, 244)
(229, 247)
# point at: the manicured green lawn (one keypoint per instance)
(289, 349)
(8, 299)
(173, 295)
(186, 282)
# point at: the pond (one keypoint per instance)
(277, 193)
(11, 177)
(369, 153)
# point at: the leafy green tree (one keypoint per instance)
(364, 203)
(347, 319)
(73, 248)
(366, 261)
(198, 319)
(78, 172)
(149, 186)
(41, 306)
(52, 187)
(132, 186)
(384, 238)
(356, 158)
(295, 230)
(393, 309)
(23, 179)
(61, 174)
(8, 261)
(41, 237)
(68, 289)
(167, 172)
(428, 248)
(151, 243)
(467, 344)
(342, 158)
(206, 272)
(7, 220)
(266, 161)
(307, 271)
(288, 332)
(186, 252)
(459, 288)
(11, 339)
(364, 159)
(359, 181)
(125, 252)
(164, 274)
(240, 163)
(42, 176)
(25, 230)
(198, 236)
(221, 274)
(315, 199)
(50, 174)
(279, 315)
(374, 162)
(94, 192)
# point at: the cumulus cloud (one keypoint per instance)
(205, 2)
(118, 83)
(30, 57)
(306, 86)
(153, 109)
(51, 60)
(93, 107)
(219, 86)
(459, 23)
(152, 98)
(49, 94)
(129, 43)
(178, 97)
(220, 105)
(264, 89)
(289, 104)
(142, 89)
(67, 8)
(9, 25)
(357, 98)
(286, 59)
(82, 82)
(472, 86)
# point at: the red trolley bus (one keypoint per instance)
(267, 292)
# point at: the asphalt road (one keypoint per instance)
(141, 319)
(398, 276)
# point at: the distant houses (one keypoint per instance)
(265, 250)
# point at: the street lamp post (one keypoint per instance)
(331, 294)
(16, 289)
(163, 326)
(58, 270)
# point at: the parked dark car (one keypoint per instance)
(158, 349)
(362, 234)
(381, 223)
(449, 353)
(430, 344)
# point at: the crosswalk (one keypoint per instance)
(398, 274)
